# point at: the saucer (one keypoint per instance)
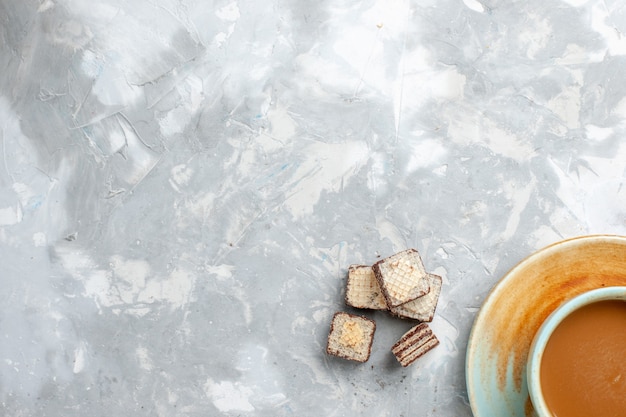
(504, 328)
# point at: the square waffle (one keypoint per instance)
(362, 290)
(422, 308)
(402, 277)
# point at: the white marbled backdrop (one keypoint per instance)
(183, 184)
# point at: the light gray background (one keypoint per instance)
(184, 184)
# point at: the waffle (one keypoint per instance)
(351, 337)
(402, 277)
(414, 344)
(362, 289)
(422, 308)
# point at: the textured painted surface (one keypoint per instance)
(183, 185)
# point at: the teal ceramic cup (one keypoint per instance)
(546, 330)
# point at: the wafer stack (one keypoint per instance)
(398, 284)
(422, 308)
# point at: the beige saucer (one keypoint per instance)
(516, 307)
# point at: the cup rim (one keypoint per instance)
(545, 331)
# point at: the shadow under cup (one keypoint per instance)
(577, 360)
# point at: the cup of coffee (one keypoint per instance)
(577, 360)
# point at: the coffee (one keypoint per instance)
(583, 370)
